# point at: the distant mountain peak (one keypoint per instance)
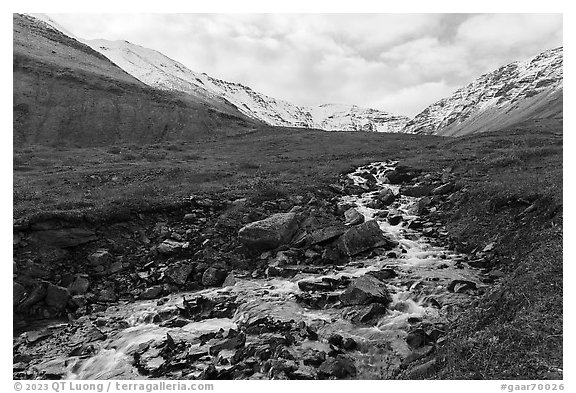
(159, 71)
(517, 91)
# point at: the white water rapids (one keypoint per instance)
(423, 271)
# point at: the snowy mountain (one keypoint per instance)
(530, 90)
(159, 71)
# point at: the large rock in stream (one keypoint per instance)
(364, 237)
(365, 290)
(270, 232)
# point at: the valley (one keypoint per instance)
(518, 223)
(172, 225)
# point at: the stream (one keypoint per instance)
(418, 291)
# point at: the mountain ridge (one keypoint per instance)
(513, 93)
(65, 93)
(158, 70)
(518, 91)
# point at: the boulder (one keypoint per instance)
(286, 272)
(353, 217)
(190, 217)
(417, 338)
(79, 286)
(57, 296)
(415, 224)
(214, 277)
(324, 234)
(18, 293)
(385, 197)
(100, 257)
(269, 233)
(233, 341)
(309, 285)
(230, 280)
(364, 237)
(338, 367)
(312, 357)
(366, 314)
(401, 174)
(115, 267)
(395, 220)
(107, 295)
(64, 238)
(37, 294)
(365, 290)
(168, 246)
(178, 273)
(461, 286)
(443, 189)
(151, 293)
(421, 206)
(383, 274)
(418, 190)
(421, 371)
(334, 253)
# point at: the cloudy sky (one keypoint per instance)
(400, 63)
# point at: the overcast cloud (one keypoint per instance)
(400, 63)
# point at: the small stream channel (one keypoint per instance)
(419, 296)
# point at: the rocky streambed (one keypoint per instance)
(361, 285)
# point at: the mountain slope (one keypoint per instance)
(158, 70)
(66, 93)
(517, 92)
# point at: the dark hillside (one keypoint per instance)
(67, 94)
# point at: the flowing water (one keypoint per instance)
(424, 271)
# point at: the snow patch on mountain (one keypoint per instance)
(159, 71)
(512, 92)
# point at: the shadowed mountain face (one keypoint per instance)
(513, 94)
(65, 93)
